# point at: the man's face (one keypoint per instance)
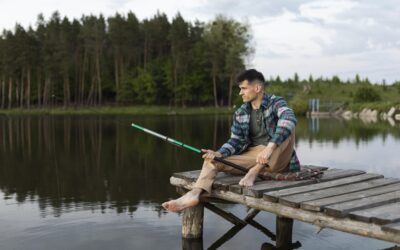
(249, 92)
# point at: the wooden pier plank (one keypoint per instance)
(317, 218)
(342, 209)
(224, 180)
(380, 215)
(320, 204)
(296, 199)
(269, 186)
(373, 201)
(187, 175)
(315, 167)
(330, 179)
(194, 174)
(392, 227)
(260, 187)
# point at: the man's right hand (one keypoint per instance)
(209, 154)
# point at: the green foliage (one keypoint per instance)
(366, 94)
(380, 106)
(334, 92)
(96, 59)
(125, 92)
(144, 87)
(397, 86)
(299, 105)
(120, 59)
(228, 44)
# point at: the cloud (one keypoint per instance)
(322, 37)
(331, 38)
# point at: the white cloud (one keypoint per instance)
(286, 37)
(322, 37)
(328, 11)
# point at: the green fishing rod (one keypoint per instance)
(183, 145)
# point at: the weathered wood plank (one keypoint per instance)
(266, 186)
(296, 199)
(392, 227)
(236, 189)
(317, 218)
(188, 175)
(331, 178)
(193, 175)
(320, 204)
(224, 182)
(342, 209)
(314, 167)
(259, 188)
(380, 215)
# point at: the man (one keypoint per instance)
(262, 140)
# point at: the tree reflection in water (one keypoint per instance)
(99, 162)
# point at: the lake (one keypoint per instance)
(93, 182)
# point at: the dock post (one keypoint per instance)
(192, 222)
(192, 244)
(284, 228)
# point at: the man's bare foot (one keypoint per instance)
(250, 177)
(190, 199)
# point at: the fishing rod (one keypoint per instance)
(183, 145)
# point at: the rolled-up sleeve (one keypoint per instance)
(235, 141)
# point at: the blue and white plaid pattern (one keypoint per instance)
(279, 121)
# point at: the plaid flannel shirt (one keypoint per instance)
(278, 119)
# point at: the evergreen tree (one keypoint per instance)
(85, 61)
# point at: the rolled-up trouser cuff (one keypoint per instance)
(206, 185)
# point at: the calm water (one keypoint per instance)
(95, 183)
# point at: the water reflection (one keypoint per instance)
(333, 130)
(97, 162)
(65, 165)
(94, 162)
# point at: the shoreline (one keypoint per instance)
(204, 110)
(109, 110)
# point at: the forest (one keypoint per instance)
(122, 61)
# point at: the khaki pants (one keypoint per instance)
(278, 163)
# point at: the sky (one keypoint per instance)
(318, 37)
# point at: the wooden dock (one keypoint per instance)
(352, 201)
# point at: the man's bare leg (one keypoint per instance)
(250, 177)
(190, 199)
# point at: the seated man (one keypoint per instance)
(262, 141)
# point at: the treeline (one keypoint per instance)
(121, 60)
(354, 94)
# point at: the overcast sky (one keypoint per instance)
(318, 37)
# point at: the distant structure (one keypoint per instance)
(313, 105)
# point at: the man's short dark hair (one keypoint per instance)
(251, 75)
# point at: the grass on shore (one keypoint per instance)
(108, 110)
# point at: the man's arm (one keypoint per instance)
(235, 142)
(286, 121)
